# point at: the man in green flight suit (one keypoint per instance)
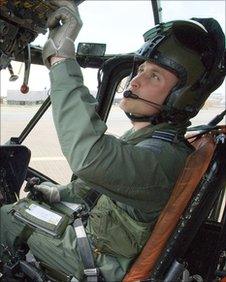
(134, 174)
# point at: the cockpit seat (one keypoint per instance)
(203, 178)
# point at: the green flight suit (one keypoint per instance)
(135, 174)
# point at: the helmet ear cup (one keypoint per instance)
(203, 72)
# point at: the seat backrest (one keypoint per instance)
(196, 165)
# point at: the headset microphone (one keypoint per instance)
(129, 94)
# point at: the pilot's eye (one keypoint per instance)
(155, 76)
(140, 69)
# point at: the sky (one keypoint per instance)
(121, 25)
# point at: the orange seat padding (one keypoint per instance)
(195, 166)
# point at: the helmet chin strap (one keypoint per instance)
(154, 119)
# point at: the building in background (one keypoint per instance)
(15, 97)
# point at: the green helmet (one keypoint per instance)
(194, 51)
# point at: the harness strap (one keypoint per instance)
(85, 252)
(92, 198)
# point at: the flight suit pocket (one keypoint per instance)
(116, 233)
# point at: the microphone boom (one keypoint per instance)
(129, 94)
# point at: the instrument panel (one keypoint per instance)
(20, 24)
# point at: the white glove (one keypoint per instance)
(50, 191)
(64, 25)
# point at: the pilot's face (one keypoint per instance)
(152, 83)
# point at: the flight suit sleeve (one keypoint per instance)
(74, 192)
(112, 166)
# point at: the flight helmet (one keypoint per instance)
(194, 51)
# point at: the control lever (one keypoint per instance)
(27, 62)
(34, 194)
(13, 76)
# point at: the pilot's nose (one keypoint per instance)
(134, 83)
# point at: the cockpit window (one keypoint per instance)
(119, 24)
(183, 9)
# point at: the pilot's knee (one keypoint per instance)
(11, 229)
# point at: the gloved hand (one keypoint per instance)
(64, 25)
(50, 191)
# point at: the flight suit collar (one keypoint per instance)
(135, 136)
